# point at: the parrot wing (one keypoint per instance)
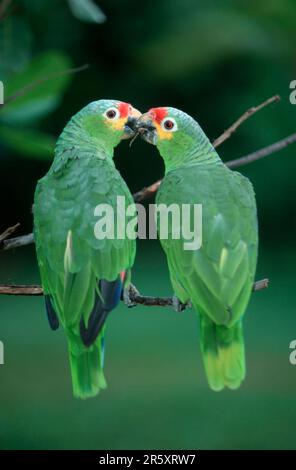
(218, 277)
(76, 267)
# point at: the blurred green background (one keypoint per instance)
(213, 59)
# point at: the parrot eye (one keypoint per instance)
(112, 113)
(169, 124)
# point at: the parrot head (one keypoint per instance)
(109, 121)
(174, 132)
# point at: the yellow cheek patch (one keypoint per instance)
(162, 134)
(118, 124)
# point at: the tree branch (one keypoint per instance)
(149, 301)
(12, 289)
(16, 242)
(251, 157)
(134, 296)
(244, 117)
(260, 285)
(9, 231)
(145, 193)
(262, 153)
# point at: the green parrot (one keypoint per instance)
(218, 277)
(83, 276)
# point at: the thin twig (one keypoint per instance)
(13, 289)
(9, 231)
(252, 157)
(260, 285)
(145, 193)
(150, 190)
(26, 89)
(264, 152)
(250, 112)
(16, 242)
(135, 297)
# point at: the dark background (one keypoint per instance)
(212, 59)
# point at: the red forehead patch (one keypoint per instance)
(158, 114)
(124, 109)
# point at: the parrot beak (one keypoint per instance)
(130, 126)
(146, 129)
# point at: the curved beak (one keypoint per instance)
(147, 129)
(130, 127)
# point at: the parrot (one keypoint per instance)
(217, 277)
(83, 277)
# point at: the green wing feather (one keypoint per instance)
(72, 260)
(218, 277)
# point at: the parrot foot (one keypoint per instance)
(129, 294)
(178, 306)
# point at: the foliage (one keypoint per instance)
(33, 84)
(87, 10)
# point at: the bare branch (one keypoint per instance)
(150, 190)
(260, 285)
(264, 152)
(135, 297)
(26, 89)
(244, 117)
(16, 242)
(9, 231)
(145, 193)
(252, 157)
(12, 289)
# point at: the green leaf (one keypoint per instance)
(42, 83)
(87, 10)
(15, 46)
(28, 142)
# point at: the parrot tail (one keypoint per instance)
(223, 354)
(86, 366)
(86, 347)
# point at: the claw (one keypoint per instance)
(178, 306)
(129, 294)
